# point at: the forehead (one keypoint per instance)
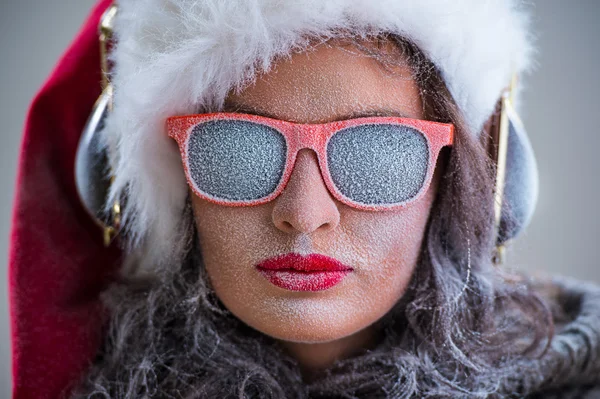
(328, 81)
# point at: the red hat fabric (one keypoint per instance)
(58, 264)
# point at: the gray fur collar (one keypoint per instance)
(571, 366)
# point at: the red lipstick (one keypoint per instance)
(295, 272)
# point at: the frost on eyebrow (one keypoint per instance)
(359, 112)
(373, 164)
(332, 79)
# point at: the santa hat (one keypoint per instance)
(58, 265)
(174, 57)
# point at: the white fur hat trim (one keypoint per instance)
(175, 57)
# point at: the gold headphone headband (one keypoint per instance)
(506, 104)
(106, 35)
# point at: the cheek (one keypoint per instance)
(385, 248)
(386, 242)
(232, 238)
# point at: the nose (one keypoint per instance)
(305, 205)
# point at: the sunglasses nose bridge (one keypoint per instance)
(312, 137)
(308, 136)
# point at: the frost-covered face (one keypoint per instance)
(379, 249)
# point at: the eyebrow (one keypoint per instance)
(231, 106)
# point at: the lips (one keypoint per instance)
(295, 272)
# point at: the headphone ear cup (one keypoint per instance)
(521, 184)
(91, 164)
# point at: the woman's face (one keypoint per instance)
(381, 248)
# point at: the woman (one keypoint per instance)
(336, 232)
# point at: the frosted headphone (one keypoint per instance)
(92, 170)
(516, 181)
(516, 190)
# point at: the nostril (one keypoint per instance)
(305, 205)
(325, 227)
(287, 225)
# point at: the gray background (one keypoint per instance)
(561, 109)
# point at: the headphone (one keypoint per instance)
(92, 170)
(517, 181)
(516, 187)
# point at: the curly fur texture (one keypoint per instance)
(177, 57)
(174, 341)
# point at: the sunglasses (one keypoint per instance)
(372, 163)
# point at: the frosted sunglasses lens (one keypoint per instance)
(378, 164)
(236, 161)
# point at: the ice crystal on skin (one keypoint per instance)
(382, 247)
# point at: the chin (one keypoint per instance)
(307, 322)
(309, 336)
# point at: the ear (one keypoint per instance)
(521, 182)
